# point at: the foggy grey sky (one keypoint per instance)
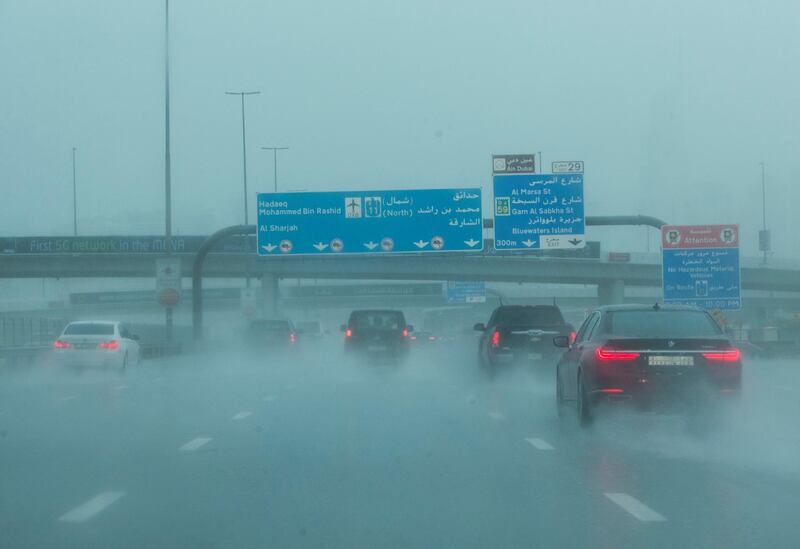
(671, 105)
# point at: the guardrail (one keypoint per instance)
(29, 331)
(25, 339)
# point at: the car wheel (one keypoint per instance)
(584, 406)
(559, 395)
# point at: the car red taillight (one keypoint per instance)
(292, 337)
(605, 354)
(110, 345)
(728, 355)
(405, 332)
(572, 337)
(495, 339)
(59, 344)
(348, 333)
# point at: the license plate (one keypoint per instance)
(667, 360)
(85, 346)
(534, 356)
(535, 339)
(376, 348)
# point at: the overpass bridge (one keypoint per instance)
(223, 256)
(488, 266)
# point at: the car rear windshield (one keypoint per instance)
(270, 326)
(536, 315)
(663, 323)
(90, 328)
(377, 320)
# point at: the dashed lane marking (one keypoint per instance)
(87, 510)
(194, 444)
(540, 444)
(635, 507)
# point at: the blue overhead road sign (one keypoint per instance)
(364, 222)
(700, 265)
(465, 292)
(538, 211)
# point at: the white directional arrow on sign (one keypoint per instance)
(420, 244)
(370, 245)
(528, 242)
(269, 247)
(320, 246)
(471, 242)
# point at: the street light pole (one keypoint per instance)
(74, 197)
(275, 161)
(764, 206)
(168, 321)
(244, 146)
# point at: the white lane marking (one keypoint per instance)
(290, 387)
(268, 398)
(540, 444)
(87, 510)
(194, 444)
(66, 398)
(242, 415)
(497, 416)
(120, 387)
(635, 507)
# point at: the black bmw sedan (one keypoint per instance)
(645, 356)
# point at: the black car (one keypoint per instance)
(646, 356)
(272, 334)
(377, 333)
(522, 333)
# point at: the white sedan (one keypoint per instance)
(97, 344)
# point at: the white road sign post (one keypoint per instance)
(168, 281)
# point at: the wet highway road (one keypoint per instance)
(228, 450)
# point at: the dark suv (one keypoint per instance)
(377, 332)
(522, 333)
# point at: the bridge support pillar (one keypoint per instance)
(269, 295)
(611, 292)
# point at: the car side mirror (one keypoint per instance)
(135, 337)
(343, 328)
(561, 341)
(410, 328)
(479, 327)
